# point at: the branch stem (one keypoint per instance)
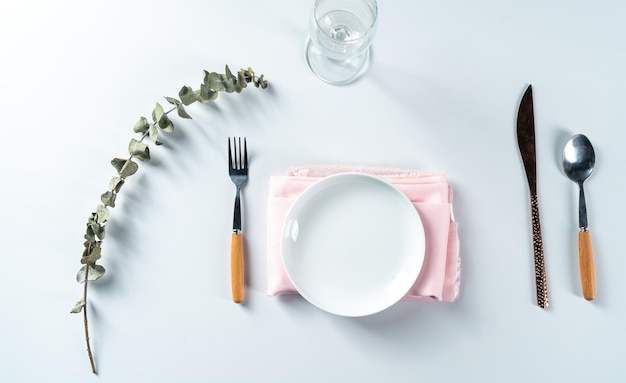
(91, 360)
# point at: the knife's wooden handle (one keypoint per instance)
(587, 269)
(540, 267)
(237, 267)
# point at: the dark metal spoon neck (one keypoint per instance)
(582, 209)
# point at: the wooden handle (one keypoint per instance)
(237, 268)
(587, 269)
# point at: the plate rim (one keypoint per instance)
(318, 186)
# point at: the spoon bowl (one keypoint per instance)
(579, 159)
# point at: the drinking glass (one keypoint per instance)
(338, 50)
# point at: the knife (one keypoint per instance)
(526, 143)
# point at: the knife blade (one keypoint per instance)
(526, 144)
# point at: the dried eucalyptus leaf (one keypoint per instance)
(78, 307)
(260, 82)
(80, 276)
(241, 82)
(90, 236)
(118, 164)
(95, 273)
(100, 233)
(216, 82)
(154, 134)
(91, 258)
(181, 111)
(249, 73)
(108, 198)
(231, 85)
(187, 95)
(116, 184)
(97, 230)
(229, 80)
(102, 214)
(139, 149)
(166, 124)
(157, 112)
(141, 126)
(206, 94)
(125, 168)
(228, 73)
(238, 86)
(129, 168)
(172, 101)
(222, 82)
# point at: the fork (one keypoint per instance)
(238, 171)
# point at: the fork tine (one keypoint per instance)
(245, 154)
(239, 157)
(230, 156)
(240, 164)
(238, 152)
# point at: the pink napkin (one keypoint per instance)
(431, 195)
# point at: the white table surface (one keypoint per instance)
(441, 94)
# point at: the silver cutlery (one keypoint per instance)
(526, 143)
(238, 171)
(579, 159)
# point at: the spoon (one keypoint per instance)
(578, 162)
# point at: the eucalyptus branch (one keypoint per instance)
(212, 84)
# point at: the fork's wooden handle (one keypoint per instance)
(587, 269)
(237, 267)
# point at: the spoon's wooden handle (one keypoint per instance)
(237, 268)
(587, 269)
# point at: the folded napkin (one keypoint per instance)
(431, 195)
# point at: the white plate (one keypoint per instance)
(352, 244)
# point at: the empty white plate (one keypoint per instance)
(352, 244)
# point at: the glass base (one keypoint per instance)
(336, 72)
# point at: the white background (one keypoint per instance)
(441, 94)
